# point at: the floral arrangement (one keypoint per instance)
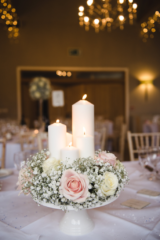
(40, 88)
(83, 184)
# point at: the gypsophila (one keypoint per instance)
(46, 186)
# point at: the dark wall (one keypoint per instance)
(49, 28)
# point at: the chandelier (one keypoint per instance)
(9, 18)
(101, 14)
(149, 27)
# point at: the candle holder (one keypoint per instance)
(76, 223)
(85, 183)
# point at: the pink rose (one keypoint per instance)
(74, 186)
(107, 158)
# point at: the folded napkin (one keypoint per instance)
(8, 233)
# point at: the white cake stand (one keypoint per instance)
(76, 223)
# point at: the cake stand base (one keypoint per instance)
(76, 223)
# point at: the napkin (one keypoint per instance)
(8, 233)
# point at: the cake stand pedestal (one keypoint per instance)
(76, 223)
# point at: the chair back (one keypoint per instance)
(2, 157)
(28, 141)
(141, 140)
(42, 140)
(122, 141)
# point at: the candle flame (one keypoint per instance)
(84, 96)
(70, 144)
(57, 121)
(84, 130)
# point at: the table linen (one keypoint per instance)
(112, 221)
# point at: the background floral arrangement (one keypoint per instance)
(85, 183)
(40, 88)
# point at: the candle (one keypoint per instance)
(85, 144)
(69, 138)
(82, 115)
(69, 153)
(56, 138)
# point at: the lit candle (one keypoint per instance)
(69, 138)
(56, 138)
(85, 144)
(69, 153)
(82, 115)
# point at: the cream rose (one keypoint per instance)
(109, 184)
(49, 164)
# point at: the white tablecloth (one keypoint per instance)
(112, 221)
(12, 147)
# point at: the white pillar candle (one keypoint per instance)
(56, 138)
(82, 115)
(69, 153)
(85, 144)
(69, 138)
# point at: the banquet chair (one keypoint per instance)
(2, 159)
(28, 141)
(42, 140)
(141, 140)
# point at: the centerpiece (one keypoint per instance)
(73, 177)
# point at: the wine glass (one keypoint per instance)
(144, 160)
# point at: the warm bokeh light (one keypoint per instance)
(89, 2)
(57, 121)
(121, 18)
(84, 96)
(145, 30)
(15, 23)
(36, 131)
(80, 14)
(96, 21)
(86, 19)
(134, 5)
(130, 1)
(69, 74)
(81, 8)
(121, 1)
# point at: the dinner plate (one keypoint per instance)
(5, 172)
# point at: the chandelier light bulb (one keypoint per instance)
(121, 18)
(157, 13)
(134, 5)
(130, 1)
(96, 21)
(81, 8)
(145, 30)
(121, 1)
(86, 19)
(89, 2)
(80, 14)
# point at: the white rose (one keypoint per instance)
(49, 164)
(109, 184)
